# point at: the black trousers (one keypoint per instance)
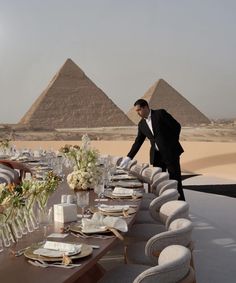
(174, 171)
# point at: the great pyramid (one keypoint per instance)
(162, 95)
(72, 100)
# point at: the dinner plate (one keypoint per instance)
(86, 250)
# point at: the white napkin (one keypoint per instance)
(57, 249)
(113, 208)
(98, 221)
(118, 191)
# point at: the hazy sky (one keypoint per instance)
(124, 46)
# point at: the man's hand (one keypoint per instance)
(124, 162)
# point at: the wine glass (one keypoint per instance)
(99, 190)
(82, 200)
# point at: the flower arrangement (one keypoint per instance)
(5, 144)
(86, 172)
(14, 197)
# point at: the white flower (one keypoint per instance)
(85, 173)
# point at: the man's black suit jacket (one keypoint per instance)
(166, 132)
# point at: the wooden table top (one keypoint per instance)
(17, 269)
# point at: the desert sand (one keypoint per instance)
(208, 158)
(209, 150)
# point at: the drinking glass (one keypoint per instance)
(99, 190)
(1, 239)
(1, 243)
(44, 217)
(82, 200)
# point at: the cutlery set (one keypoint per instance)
(80, 234)
(41, 263)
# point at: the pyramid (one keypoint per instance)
(72, 100)
(162, 95)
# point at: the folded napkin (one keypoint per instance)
(113, 208)
(98, 221)
(57, 249)
(118, 191)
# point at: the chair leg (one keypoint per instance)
(125, 255)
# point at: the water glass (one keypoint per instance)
(82, 200)
(99, 190)
(45, 217)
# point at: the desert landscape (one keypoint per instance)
(209, 149)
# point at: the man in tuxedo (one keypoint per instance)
(163, 132)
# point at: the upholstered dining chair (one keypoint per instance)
(130, 164)
(18, 169)
(137, 169)
(169, 211)
(152, 214)
(161, 187)
(147, 252)
(148, 174)
(158, 178)
(173, 267)
(8, 174)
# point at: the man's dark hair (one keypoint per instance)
(141, 102)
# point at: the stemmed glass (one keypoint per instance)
(99, 190)
(82, 200)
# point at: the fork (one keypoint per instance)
(41, 263)
(84, 236)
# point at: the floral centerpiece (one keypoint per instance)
(26, 194)
(4, 145)
(17, 202)
(86, 171)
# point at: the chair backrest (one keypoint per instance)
(149, 173)
(155, 205)
(179, 233)
(172, 210)
(130, 164)
(173, 266)
(137, 169)
(157, 179)
(165, 185)
(8, 174)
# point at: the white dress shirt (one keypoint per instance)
(149, 123)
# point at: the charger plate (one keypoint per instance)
(126, 184)
(123, 177)
(125, 196)
(86, 250)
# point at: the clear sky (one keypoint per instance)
(124, 46)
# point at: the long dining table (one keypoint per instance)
(15, 269)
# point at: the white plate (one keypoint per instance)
(114, 208)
